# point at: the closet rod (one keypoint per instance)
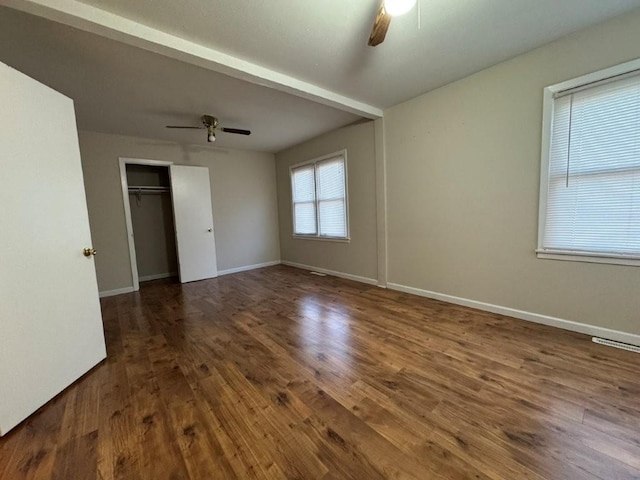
(143, 189)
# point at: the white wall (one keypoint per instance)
(463, 165)
(244, 201)
(359, 257)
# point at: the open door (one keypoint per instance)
(50, 322)
(193, 218)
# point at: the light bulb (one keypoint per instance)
(211, 138)
(398, 7)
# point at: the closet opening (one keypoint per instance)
(169, 220)
(150, 222)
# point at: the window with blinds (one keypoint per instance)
(304, 200)
(319, 195)
(591, 173)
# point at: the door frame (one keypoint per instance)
(124, 161)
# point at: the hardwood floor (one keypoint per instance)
(276, 373)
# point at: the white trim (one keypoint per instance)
(547, 127)
(117, 291)
(146, 161)
(248, 267)
(589, 257)
(158, 276)
(322, 158)
(587, 329)
(100, 22)
(381, 200)
(124, 161)
(324, 238)
(348, 276)
(613, 71)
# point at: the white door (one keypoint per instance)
(50, 322)
(193, 218)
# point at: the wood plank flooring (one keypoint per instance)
(279, 374)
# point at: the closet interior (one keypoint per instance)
(153, 221)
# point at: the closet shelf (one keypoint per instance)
(147, 189)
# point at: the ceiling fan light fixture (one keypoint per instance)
(211, 129)
(398, 7)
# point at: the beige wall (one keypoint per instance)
(152, 220)
(243, 200)
(463, 166)
(359, 257)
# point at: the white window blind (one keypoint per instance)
(319, 198)
(304, 200)
(331, 198)
(593, 192)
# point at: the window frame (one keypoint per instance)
(315, 161)
(547, 128)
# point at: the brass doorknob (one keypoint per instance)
(87, 252)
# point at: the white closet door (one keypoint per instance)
(195, 239)
(50, 322)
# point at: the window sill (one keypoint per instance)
(589, 257)
(322, 239)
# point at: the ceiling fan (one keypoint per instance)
(211, 124)
(387, 9)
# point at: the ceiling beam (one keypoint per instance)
(97, 21)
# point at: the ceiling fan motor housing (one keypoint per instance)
(211, 123)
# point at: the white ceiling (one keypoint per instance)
(122, 89)
(324, 42)
(258, 64)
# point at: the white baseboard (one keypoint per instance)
(248, 267)
(157, 276)
(117, 291)
(348, 276)
(592, 330)
(120, 291)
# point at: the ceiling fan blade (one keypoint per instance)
(181, 126)
(380, 26)
(239, 131)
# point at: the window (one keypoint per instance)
(319, 194)
(590, 185)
